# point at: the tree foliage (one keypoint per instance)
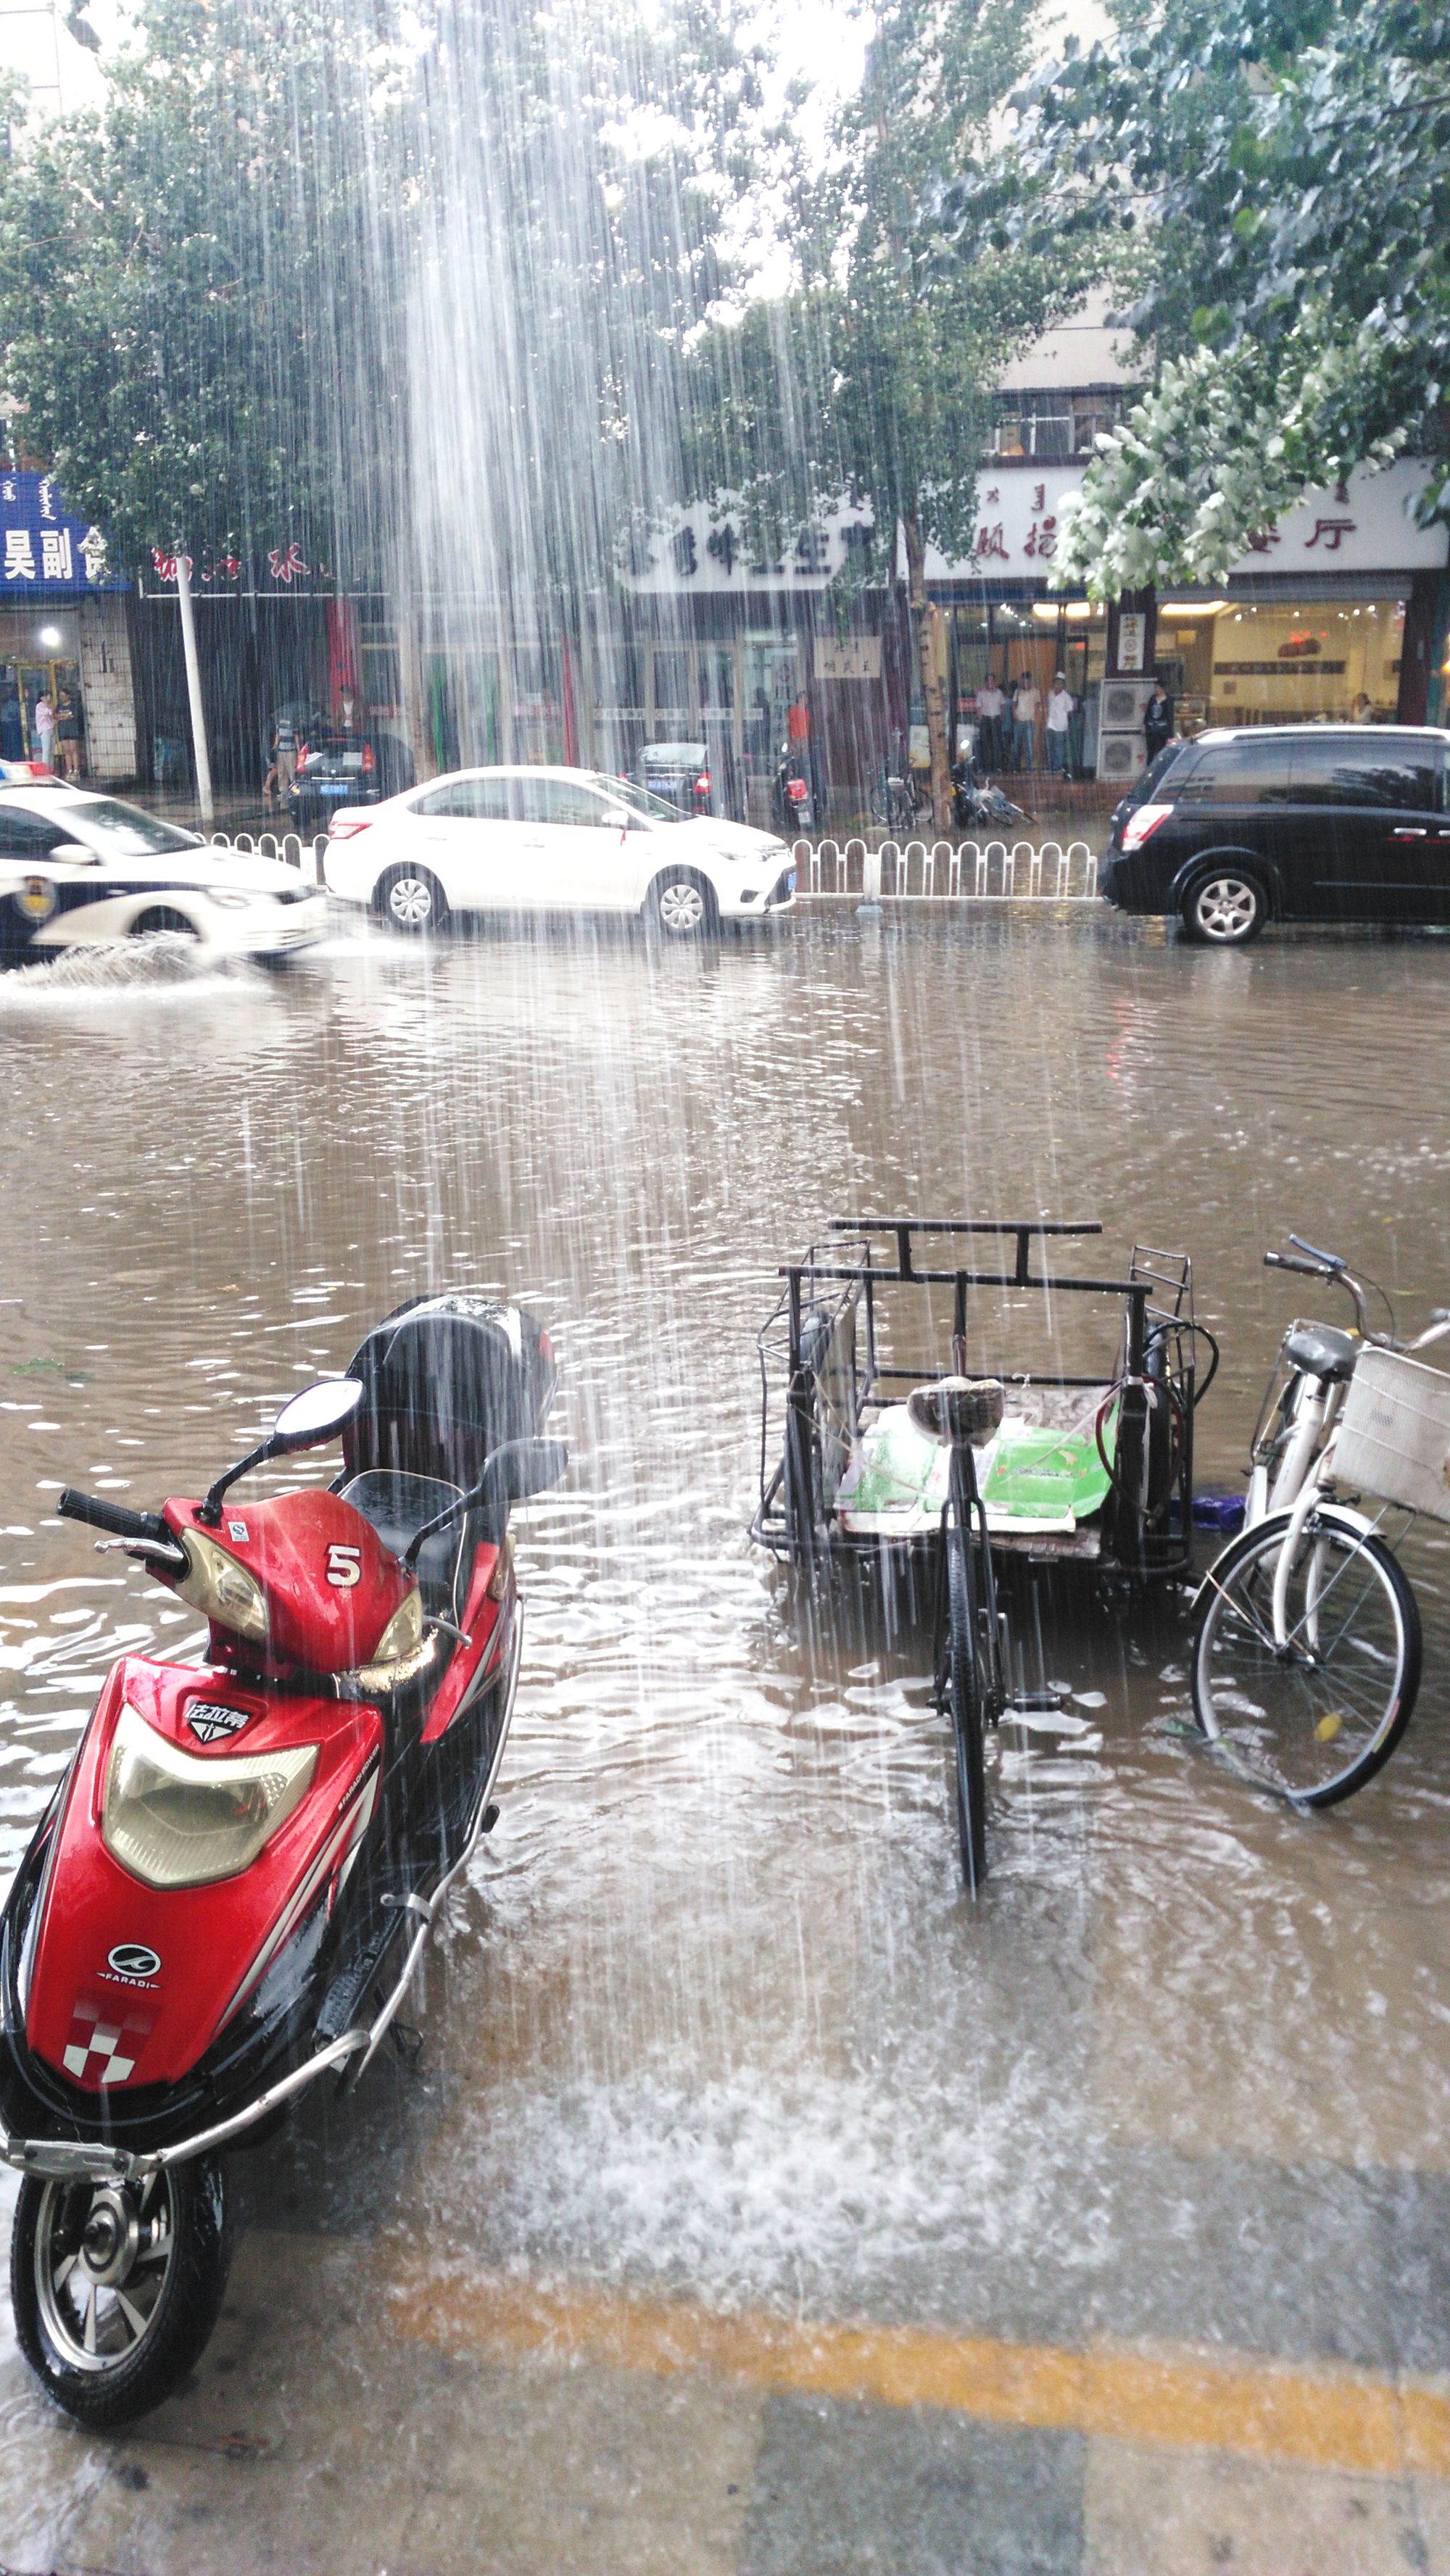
(185, 275)
(341, 270)
(1273, 179)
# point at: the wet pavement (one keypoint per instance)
(758, 2204)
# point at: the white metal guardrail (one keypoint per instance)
(949, 871)
(904, 871)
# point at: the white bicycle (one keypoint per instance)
(1306, 1650)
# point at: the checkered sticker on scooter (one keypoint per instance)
(98, 2047)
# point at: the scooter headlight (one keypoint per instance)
(222, 1588)
(177, 1821)
(401, 1651)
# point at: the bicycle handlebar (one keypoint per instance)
(1330, 1260)
(1325, 1265)
(115, 1517)
(1286, 1261)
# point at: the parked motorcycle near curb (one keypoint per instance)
(229, 1892)
(793, 804)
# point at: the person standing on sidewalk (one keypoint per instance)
(1024, 724)
(991, 707)
(1157, 720)
(1060, 705)
(44, 722)
(68, 736)
(284, 760)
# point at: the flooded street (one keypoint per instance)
(757, 2202)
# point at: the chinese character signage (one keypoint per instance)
(43, 550)
(706, 553)
(278, 571)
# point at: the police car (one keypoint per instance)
(78, 869)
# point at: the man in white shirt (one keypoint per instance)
(1024, 723)
(991, 707)
(1060, 704)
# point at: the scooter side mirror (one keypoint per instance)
(521, 1468)
(315, 1414)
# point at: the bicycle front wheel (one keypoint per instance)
(964, 1700)
(1315, 1718)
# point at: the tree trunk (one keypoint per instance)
(932, 693)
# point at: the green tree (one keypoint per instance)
(1272, 179)
(871, 381)
(185, 277)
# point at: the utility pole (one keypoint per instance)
(193, 685)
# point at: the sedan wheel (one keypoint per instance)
(1226, 909)
(412, 900)
(682, 907)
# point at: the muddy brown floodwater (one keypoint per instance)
(718, 2058)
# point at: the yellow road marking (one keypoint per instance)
(1329, 2419)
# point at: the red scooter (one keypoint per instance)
(231, 1887)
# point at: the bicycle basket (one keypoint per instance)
(1394, 1433)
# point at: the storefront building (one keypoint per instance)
(63, 631)
(1338, 613)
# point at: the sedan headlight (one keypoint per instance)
(222, 1588)
(176, 1820)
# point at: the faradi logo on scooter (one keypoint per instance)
(134, 1963)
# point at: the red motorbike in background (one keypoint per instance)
(230, 1890)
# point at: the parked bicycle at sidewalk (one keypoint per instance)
(1306, 1653)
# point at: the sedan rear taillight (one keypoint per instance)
(344, 827)
(1142, 823)
(369, 764)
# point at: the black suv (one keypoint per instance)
(1286, 823)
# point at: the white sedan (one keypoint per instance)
(552, 840)
(78, 869)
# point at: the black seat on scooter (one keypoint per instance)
(1322, 1351)
(445, 1380)
(397, 1506)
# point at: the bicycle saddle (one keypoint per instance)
(1322, 1351)
(955, 1410)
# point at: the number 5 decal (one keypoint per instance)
(344, 1567)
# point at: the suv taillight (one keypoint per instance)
(369, 764)
(1142, 823)
(702, 783)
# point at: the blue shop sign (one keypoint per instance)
(43, 551)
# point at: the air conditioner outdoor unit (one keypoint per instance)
(1123, 703)
(1121, 756)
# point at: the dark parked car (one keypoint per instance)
(336, 768)
(1287, 823)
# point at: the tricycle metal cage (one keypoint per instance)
(824, 1382)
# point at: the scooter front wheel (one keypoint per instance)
(116, 2286)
